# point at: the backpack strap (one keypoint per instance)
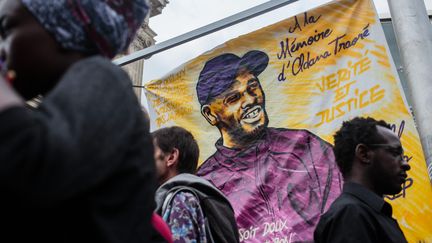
(170, 196)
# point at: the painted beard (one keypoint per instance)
(241, 136)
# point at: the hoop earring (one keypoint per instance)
(10, 76)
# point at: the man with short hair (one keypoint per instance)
(371, 159)
(194, 209)
(272, 176)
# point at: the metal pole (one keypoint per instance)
(414, 37)
(205, 30)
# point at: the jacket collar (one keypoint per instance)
(376, 202)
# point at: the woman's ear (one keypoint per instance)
(208, 115)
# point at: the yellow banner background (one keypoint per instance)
(338, 66)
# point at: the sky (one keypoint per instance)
(181, 16)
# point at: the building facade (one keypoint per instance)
(144, 38)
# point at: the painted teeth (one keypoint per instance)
(252, 114)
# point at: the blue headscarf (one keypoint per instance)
(91, 26)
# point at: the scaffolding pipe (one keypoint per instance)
(205, 30)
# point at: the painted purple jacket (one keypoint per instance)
(278, 186)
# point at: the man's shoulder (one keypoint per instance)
(189, 189)
(298, 138)
(208, 166)
(94, 70)
(295, 134)
(346, 218)
(193, 184)
(347, 205)
(87, 79)
(186, 180)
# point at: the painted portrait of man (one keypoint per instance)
(278, 180)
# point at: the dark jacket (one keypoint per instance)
(80, 167)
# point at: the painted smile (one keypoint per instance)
(252, 115)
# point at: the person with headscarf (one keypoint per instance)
(80, 167)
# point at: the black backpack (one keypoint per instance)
(220, 224)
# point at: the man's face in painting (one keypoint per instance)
(240, 110)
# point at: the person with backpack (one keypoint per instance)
(194, 209)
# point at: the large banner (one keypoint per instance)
(264, 107)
